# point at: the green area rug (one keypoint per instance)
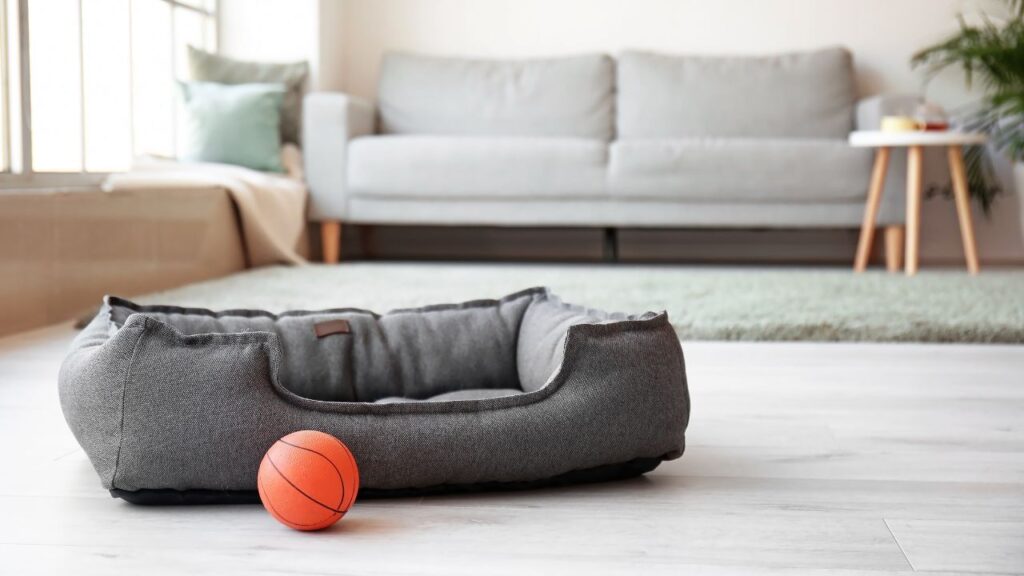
(704, 303)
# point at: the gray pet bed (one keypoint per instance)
(179, 405)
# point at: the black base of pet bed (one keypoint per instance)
(168, 497)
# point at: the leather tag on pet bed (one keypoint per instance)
(331, 327)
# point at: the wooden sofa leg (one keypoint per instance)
(894, 248)
(330, 241)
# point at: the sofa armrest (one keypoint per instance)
(871, 110)
(330, 120)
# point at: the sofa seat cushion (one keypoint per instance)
(745, 170)
(797, 95)
(473, 167)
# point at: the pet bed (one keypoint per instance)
(178, 405)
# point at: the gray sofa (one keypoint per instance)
(644, 140)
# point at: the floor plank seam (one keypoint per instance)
(898, 545)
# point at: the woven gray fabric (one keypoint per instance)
(520, 389)
(413, 354)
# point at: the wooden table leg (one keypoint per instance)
(894, 248)
(867, 227)
(915, 164)
(330, 241)
(963, 206)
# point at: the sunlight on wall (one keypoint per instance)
(56, 86)
(881, 33)
(106, 78)
(154, 101)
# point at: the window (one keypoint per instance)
(85, 85)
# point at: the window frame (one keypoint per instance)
(5, 130)
(15, 176)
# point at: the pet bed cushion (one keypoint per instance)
(179, 405)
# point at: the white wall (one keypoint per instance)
(288, 30)
(346, 39)
(271, 30)
(881, 33)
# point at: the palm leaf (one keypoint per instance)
(990, 54)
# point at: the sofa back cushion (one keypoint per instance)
(569, 97)
(799, 95)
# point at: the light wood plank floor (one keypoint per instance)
(802, 459)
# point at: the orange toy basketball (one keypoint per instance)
(308, 480)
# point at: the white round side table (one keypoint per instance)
(915, 143)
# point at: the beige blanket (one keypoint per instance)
(271, 207)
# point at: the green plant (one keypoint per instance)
(991, 54)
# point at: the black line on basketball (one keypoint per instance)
(329, 461)
(265, 498)
(355, 467)
(290, 483)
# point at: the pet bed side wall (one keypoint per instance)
(91, 385)
(206, 421)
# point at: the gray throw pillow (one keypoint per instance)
(208, 67)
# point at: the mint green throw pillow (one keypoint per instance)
(233, 124)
